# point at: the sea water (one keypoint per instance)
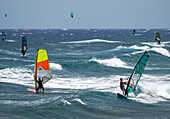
(86, 66)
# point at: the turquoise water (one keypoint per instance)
(86, 66)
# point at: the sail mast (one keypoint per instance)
(22, 47)
(35, 71)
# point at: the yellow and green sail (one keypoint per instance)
(137, 73)
(42, 67)
(158, 37)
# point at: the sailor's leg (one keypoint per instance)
(43, 89)
(123, 91)
(37, 90)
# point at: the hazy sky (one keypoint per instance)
(105, 14)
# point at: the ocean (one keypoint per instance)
(86, 66)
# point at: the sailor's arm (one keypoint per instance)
(125, 82)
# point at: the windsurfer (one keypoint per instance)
(134, 32)
(40, 85)
(158, 38)
(122, 85)
(3, 36)
(24, 45)
(158, 41)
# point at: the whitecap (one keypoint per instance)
(114, 62)
(80, 101)
(65, 102)
(139, 48)
(12, 41)
(64, 29)
(55, 66)
(162, 51)
(93, 41)
(137, 34)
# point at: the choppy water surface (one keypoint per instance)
(86, 67)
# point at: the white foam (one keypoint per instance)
(144, 31)
(136, 52)
(155, 44)
(7, 58)
(138, 34)
(12, 41)
(80, 101)
(162, 51)
(18, 75)
(55, 66)
(114, 62)
(159, 49)
(92, 41)
(82, 82)
(15, 59)
(132, 47)
(139, 48)
(30, 103)
(65, 102)
(147, 99)
(121, 47)
(157, 68)
(51, 44)
(153, 88)
(117, 49)
(64, 29)
(10, 52)
(166, 42)
(24, 76)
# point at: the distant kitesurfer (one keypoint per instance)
(40, 85)
(122, 85)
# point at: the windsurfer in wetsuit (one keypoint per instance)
(134, 32)
(158, 38)
(40, 85)
(159, 41)
(3, 36)
(122, 85)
